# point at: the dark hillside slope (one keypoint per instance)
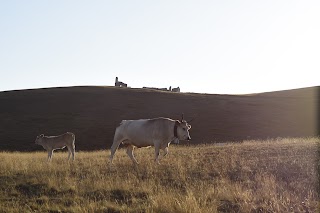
(93, 113)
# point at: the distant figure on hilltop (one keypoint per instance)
(164, 89)
(176, 89)
(120, 83)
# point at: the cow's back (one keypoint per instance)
(144, 130)
(136, 128)
(66, 139)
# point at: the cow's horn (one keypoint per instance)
(182, 117)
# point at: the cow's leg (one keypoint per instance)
(157, 152)
(130, 154)
(50, 153)
(116, 142)
(48, 156)
(166, 151)
(71, 150)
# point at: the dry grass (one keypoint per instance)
(254, 176)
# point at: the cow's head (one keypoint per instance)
(183, 130)
(39, 139)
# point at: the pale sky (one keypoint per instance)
(219, 47)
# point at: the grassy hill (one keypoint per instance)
(93, 113)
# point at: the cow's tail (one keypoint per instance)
(116, 140)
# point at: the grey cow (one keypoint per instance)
(157, 132)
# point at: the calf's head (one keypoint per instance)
(183, 130)
(39, 139)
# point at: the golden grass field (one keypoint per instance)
(278, 175)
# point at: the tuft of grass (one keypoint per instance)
(276, 175)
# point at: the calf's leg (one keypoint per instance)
(71, 150)
(50, 153)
